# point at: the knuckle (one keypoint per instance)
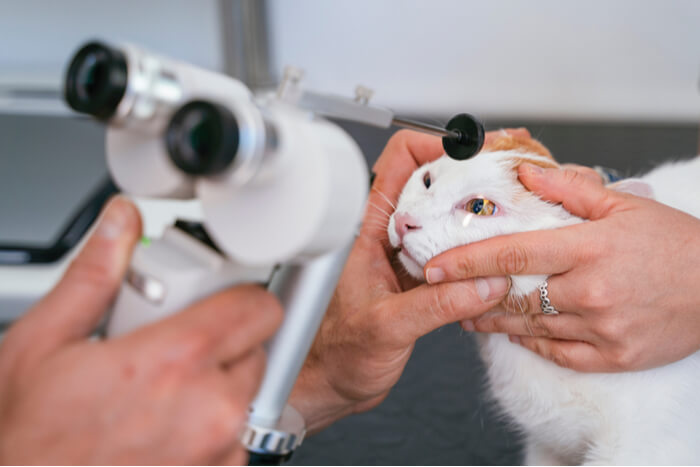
(598, 296)
(559, 357)
(489, 323)
(540, 328)
(623, 358)
(572, 176)
(465, 268)
(444, 303)
(550, 352)
(512, 260)
(611, 330)
(194, 344)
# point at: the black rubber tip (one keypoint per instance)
(471, 140)
(96, 80)
(202, 138)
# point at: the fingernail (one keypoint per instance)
(514, 339)
(533, 169)
(468, 325)
(490, 288)
(115, 218)
(434, 275)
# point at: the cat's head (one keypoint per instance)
(448, 203)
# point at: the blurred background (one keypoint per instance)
(600, 82)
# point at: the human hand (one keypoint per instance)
(625, 282)
(376, 316)
(173, 392)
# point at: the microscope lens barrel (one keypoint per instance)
(96, 80)
(202, 138)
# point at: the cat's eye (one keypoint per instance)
(426, 180)
(481, 207)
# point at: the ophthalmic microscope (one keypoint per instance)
(281, 188)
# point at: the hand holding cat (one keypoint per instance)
(375, 316)
(625, 283)
(176, 391)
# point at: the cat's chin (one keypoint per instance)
(414, 269)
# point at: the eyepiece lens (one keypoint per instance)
(96, 80)
(202, 138)
(91, 74)
(204, 135)
(200, 135)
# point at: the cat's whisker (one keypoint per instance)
(511, 302)
(377, 214)
(385, 197)
(519, 301)
(377, 234)
(375, 226)
(377, 218)
(378, 208)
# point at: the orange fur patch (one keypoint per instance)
(508, 142)
(525, 144)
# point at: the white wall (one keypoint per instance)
(37, 37)
(593, 59)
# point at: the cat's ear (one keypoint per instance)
(633, 186)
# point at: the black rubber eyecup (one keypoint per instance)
(96, 80)
(471, 140)
(202, 138)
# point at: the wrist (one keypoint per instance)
(316, 400)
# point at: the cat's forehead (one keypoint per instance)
(482, 168)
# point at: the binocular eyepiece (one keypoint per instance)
(96, 80)
(131, 88)
(202, 138)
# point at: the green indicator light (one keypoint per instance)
(145, 241)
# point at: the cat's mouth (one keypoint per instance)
(411, 264)
(407, 254)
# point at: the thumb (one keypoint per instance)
(579, 194)
(77, 303)
(418, 311)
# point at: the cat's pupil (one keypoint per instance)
(477, 206)
(426, 180)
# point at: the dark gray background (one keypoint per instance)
(437, 414)
(47, 167)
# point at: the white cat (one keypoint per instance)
(644, 417)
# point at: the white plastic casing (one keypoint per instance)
(168, 275)
(156, 87)
(307, 200)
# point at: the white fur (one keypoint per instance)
(645, 417)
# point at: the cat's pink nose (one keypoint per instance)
(405, 223)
